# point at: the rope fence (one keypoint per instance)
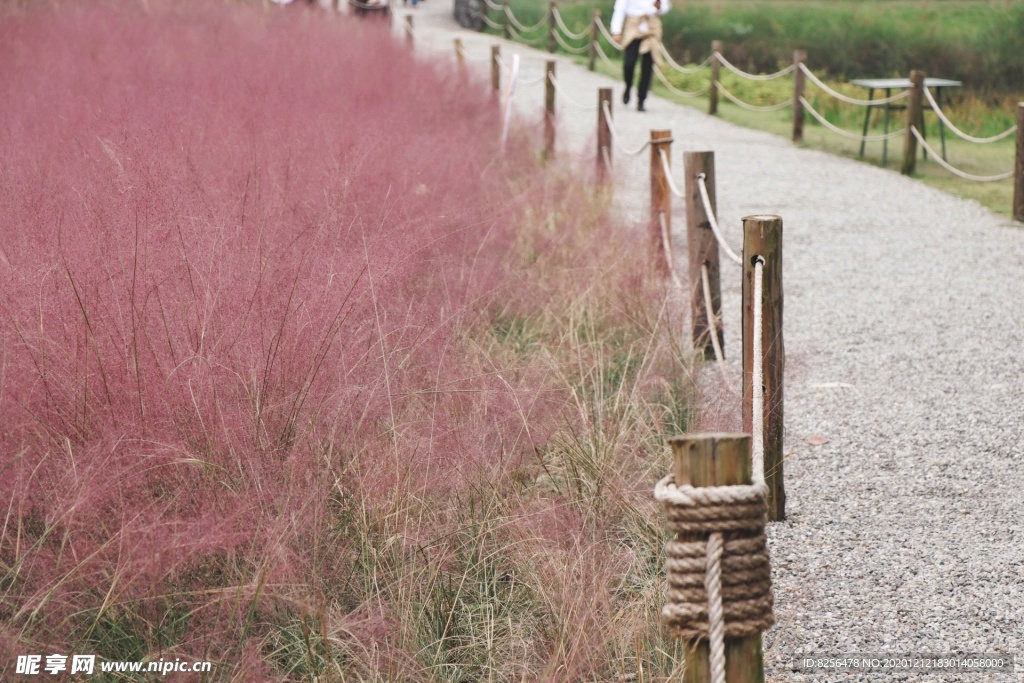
(560, 35)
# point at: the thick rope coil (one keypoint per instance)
(565, 29)
(582, 50)
(751, 107)
(955, 171)
(705, 199)
(847, 134)
(743, 585)
(569, 100)
(846, 98)
(753, 77)
(677, 91)
(515, 22)
(679, 67)
(959, 133)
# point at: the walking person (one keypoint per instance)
(636, 24)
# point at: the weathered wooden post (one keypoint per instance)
(595, 33)
(661, 198)
(604, 133)
(552, 45)
(762, 238)
(408, 30)
(549, 109)
(702, 247)
(460, 58)
(496, 68)
(1018, 168)
(913, 120)
(716, 68)
(799, 57)
(704, 460)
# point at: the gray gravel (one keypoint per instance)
(904, 327)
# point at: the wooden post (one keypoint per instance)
(762, 237)
(552, 45)
(496, 69)
(702, 460)
(913, 119)
(716, 67)
(1018, 168)
(661, 197)
(799, 57)
(408, 30)
(549, 109)
(703, 249)
(595, 34)
(460, 58)
(604, 134)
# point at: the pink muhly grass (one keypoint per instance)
(267, 379)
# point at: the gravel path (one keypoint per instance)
(905, 349)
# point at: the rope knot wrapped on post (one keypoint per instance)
(730, 521)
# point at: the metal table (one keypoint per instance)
(936, 85)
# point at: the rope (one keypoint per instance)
(493, 24)
(608, 36)
(753, 77)
(615, 135)
(461, 49)
(970, 138)
(743, 568)
(606, 153)
(845, 98)
(716, 613)
(944, 164)
(569, 48)
(679, 67)
(709, 212)
(572, 102)
(565, 29)
(533, 42)
(668, 174)
(607, 61)
(705, 281)
(515, 22)
(751, 107)
(757, 378)
(666, 246)
(493, 5)
(677, 91)
(839, 131)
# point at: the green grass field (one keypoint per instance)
(879, 38)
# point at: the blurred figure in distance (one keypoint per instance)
(636, 25)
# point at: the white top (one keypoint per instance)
(634, 8)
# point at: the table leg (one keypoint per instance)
(885, 143)
(867, 119)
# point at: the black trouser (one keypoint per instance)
(646, 69)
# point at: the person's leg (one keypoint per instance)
(629, 67)
(646, 71)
